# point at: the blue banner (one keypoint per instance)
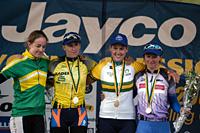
(172, 24)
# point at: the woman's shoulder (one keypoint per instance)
(16, 58)
(105, 60)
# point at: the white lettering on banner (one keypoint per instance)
(128, 27)
(34, 22)
(5, 107)
(73, 24)
(98, 36)
(189, 32)
(4, 124)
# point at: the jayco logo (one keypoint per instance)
(36, 15)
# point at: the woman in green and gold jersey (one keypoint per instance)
(29, 73)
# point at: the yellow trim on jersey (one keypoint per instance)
(97, 73)
(32, 79)
(96, 70)
(63, 86)
(13, 62)
(138, 66)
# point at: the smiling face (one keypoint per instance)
(152, 61)
(118, 52)
(72, 50)
(37, 47)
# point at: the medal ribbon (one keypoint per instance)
(149, 96)
(75, 86)
(118, 89)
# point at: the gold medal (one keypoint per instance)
(116, 103)
(75, 100)
(148, 110)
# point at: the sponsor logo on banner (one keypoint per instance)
(175, 31)
(102, 34)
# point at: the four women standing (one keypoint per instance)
(68, 76)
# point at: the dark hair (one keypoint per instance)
(34, 35)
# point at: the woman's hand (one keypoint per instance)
(102, 96)
(185, 110)
(172, 74)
